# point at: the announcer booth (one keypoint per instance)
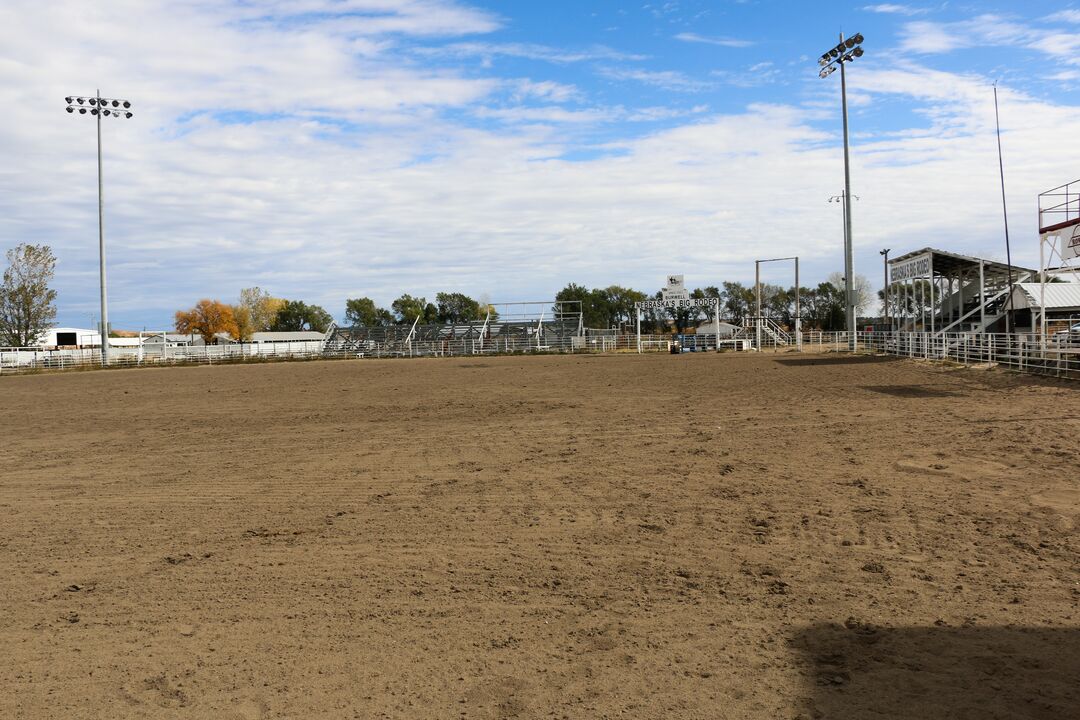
(937, 291)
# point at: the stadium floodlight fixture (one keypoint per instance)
(847, 50)
(100, 106)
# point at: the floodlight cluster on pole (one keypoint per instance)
(100, 107)
(108, 107)
(844, 52)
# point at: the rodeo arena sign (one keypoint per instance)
(675, 295)
(915, 268)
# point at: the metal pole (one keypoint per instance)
(933, 309)
(101, 244)
(849, 263)
(1042, 297)
(1005, 215)
(982, 296)
(757, 291)
(798, 310)
(639, 330)
(885, 294)
(716, 322)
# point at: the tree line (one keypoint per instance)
(259, 311)
(821, 307)
(27, 306)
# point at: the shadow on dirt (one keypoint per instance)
(910, 391)
(856, 670)
(837, 360)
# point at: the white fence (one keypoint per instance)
(1023, 352)
(22, 360)
(14, 360)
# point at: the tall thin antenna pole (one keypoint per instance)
(1004, 212)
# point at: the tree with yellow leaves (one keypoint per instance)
(255, 312)
(206, 319)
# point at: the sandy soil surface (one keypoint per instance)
(702, 536)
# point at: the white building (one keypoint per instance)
(69, 337)
(709, 328)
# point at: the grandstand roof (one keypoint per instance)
(945, 262)
(1059, 296)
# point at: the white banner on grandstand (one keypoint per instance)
(916, 267)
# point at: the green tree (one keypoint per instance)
(600, 312)
(579, 294)
(26, 301)
(773, 299)
(255, 312)
(738, 301)
(620, 304)
(826, 307)
(711, 292)
(296, 315)
(456, 308)
(596, 307)
(407, 308)
(363, 311)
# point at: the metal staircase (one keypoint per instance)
(769, 330)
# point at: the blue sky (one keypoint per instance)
(325, 149)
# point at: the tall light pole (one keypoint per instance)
(844, 52)
(885, 291)
(99, 107)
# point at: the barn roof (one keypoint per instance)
(1059, 296)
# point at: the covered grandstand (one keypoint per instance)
(937, 291)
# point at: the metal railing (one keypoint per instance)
(24, 360)
(1023, 352)
(1060, 205)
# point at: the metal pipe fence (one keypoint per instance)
(24, 360)
(1021, 352)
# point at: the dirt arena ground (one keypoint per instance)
(702, 536)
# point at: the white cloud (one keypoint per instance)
(1070, 16)
(721, 41)
(546, 90)
(531, 51)
(666, 79)
(762, 73)
(895, 9)
(989, 30)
